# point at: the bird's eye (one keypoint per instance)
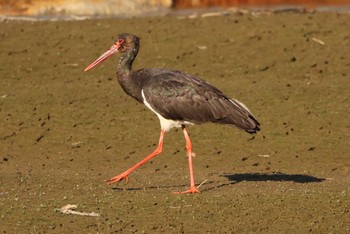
(120, 41)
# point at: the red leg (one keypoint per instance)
(125, 174)
(192, 189)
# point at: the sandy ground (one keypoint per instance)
(63, 131)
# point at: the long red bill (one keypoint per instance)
(114, 49)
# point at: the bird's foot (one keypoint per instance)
(118, 178)
(191, 190)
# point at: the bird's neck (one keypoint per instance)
(124, 71)
(125, 62)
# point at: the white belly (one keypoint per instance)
(165, 124)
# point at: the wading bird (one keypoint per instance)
(177, 98)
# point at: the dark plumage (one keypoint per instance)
(182, 97)
(175, 97)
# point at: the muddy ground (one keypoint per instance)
(63, 131)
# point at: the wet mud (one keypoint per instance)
(63, 131)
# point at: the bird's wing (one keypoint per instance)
(179, 96)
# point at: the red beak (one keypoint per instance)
(114, 49)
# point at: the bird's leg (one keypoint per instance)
(192, 189)
(125, 174)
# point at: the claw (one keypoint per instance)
(117, 179)
(191, 190)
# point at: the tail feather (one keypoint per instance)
(256, 127)
(241, 117)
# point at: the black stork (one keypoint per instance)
(177, 98)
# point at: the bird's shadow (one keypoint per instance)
(282, 177)
(161, 187)
(237, 178)
(263, 177)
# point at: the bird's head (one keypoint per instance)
(125, 42)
